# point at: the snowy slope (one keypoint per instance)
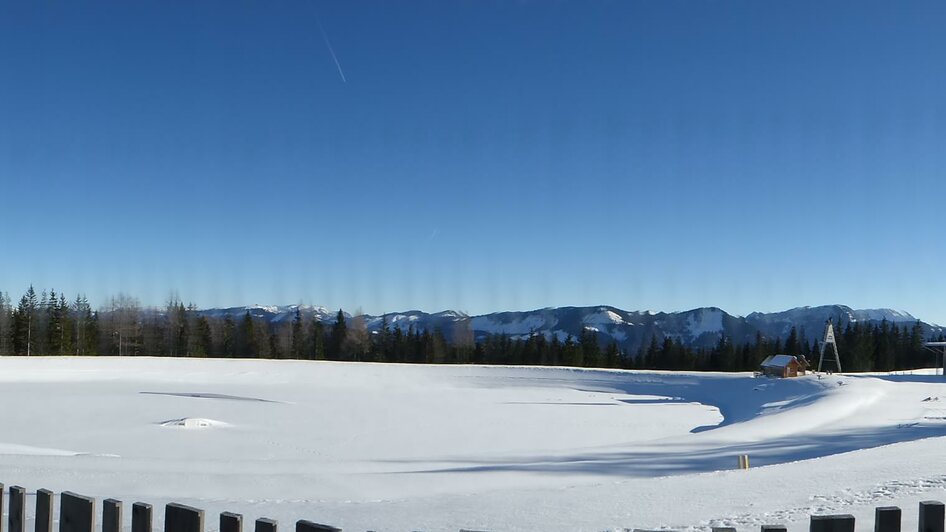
(401, 447)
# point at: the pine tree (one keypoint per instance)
(24, 324)
(316, 340)
(54, 330)
(382, 343)
(338, 335)
(397, 345)
(297, 342)
(792, 346)
(6, 325)
(203, 339)
(246, 338)
(183, 332)
(91, 331)
(653, 353)
(612, 356)
(571, 354)
(40, 323)
(555, 350)
(590, 352)
(228, 346)
(438, 347)
(274, 351)
(67, 331)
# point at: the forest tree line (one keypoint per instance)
(50, 324)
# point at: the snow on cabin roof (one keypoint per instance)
(778, 361)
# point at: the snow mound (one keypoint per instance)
(30, 450)
(193, 423)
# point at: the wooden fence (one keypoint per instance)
(77, 514)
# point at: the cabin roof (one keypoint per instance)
(778, 361)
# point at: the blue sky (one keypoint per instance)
(478, 156)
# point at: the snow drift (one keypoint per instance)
(400, 447)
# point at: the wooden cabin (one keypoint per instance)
(784, 366)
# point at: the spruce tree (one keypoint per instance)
(382, 343)
(297, 342)
(181, 332)
(246, 338)
(91, 331)
(67, 331)
(316, 340)
(228, 341)
(25, 324)
(203, 339)
(590, 351)
(337, 340)
(6, 325)
(792, 346)
(54, 332)
(274, 351)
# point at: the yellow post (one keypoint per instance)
(743, 461)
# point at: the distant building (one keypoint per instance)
(784, 366)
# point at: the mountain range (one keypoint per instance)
(700, 327)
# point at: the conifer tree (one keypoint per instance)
(590, 352)
(572, 355)
(246, 338)
(382, 343)
(338, 335)
(316, 340)
(792, 346)
(397, 344)
(24, 323)
(55, 332)
(6, 325)
(67, 331)
(181, 332)
(203, 338)
(228, 341)
(612, 356)
(297, 342)
(274, 351)
(91, 331)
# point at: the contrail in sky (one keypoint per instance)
(331, 51)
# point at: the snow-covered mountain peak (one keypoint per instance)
(699, 327)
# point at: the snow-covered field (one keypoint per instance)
(394, 447)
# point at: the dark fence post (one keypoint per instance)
(180, 518)
(832, 523)
(931, 516)
(44, 511)
(887, 519)
(111, 515)
(308, 526)
(76, 513)
(265, 525)
(231, 522)
(774, 528)
(140, 517)
(17, 518)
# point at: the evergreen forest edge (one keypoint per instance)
(51, 325)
